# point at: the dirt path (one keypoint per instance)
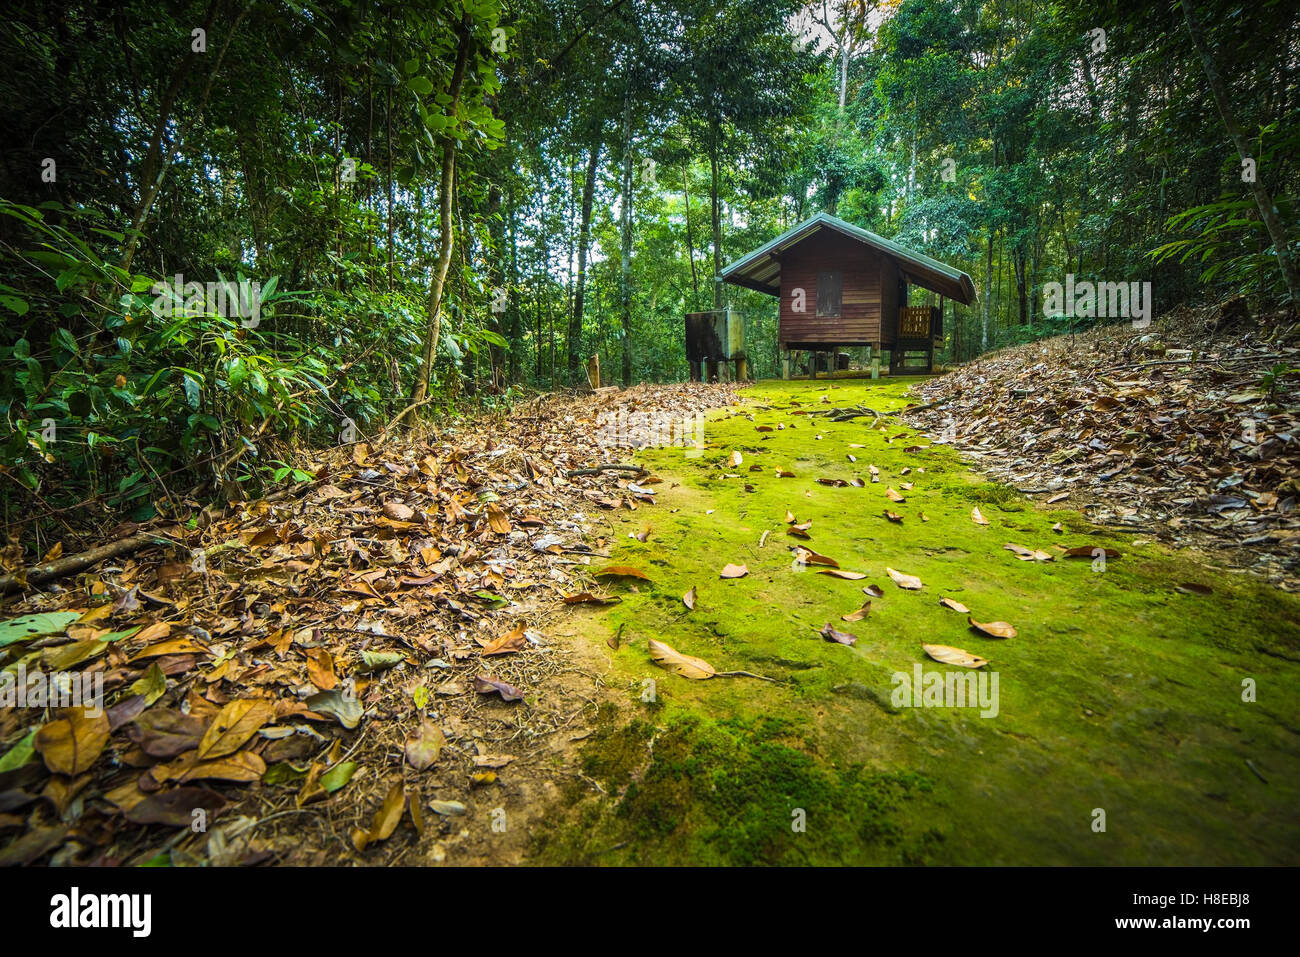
(1165, 716)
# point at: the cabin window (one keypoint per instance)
(830, 286)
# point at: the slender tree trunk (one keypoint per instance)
(156, 163)
(1267, 211)
(625, 276)
(388, 124)
(690, 241)
(715, 176)
(446, 197)
(988, 294)
(580, 283)
(1022, 292)
(844, 70)
(496, 275)
(516, 320)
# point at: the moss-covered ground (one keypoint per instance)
(1119, 694)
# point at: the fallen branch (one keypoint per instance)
(49, 571)
(597, 469)
(71, 564)
(847, 415)
(938, 404)
(741, 674)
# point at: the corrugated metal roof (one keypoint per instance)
(761, 269)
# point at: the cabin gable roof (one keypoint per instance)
(761, 269)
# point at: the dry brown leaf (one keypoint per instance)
(506, 644)
(734, 571)
(486, 684)
(1028, 554)
(954, 605)
(842, 637)
(687, 666)
(949, 655)
(423, 747)
(587, 598)
(243, 767)
(842, 573)
(623, 571)
(498, 519)
(977, 516)
(689, 599)
(385, 820)
(806, 556)
(902, 580)
(70, 744)
(234, 724)
(320, 669)
(173, 646)
(398, 512)
(857, 615)
(994, 629)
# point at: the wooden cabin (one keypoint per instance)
(841, 286)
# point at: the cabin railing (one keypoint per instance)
(914, 322)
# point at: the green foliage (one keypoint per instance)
(305, 151)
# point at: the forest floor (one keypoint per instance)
(384, 670)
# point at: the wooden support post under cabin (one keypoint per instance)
(711, 370)
(875, 363)
(785, 365)
(812, 364)
(742, 369)
(697, 371)
(593, 372)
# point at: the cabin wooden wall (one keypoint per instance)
(890, 302)
(861, 268)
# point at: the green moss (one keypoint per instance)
(995, 493)
(1118, 692)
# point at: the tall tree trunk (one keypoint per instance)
(844, 69)
(497, 278)
(715, 176)
(388, 136)
(690, 241)
(1022, 292)
(580, 283)
(625, 276)
(516, 321)
(446, 197)
(988, 294)
(156, 163)
(1267, 211)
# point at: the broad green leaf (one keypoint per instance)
(35, 626)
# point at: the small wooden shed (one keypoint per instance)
(712, 340)
(840, 285)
